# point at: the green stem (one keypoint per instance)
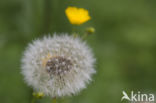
(33, 100)
(73, 29)
(54, 100)
(74, 32)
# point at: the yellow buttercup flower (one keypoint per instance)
(77, 16)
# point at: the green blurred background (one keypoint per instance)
(124, 45)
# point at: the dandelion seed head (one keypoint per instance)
(58, 66)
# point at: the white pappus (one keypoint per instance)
(58, 65)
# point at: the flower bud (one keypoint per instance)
(90, 30)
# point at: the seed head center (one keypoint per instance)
(58, 65)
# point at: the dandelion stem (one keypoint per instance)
(54, 100)
(33, 100)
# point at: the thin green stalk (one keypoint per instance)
(54, 100)
(33, 100)
(74, 32)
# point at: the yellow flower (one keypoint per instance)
(77, 15)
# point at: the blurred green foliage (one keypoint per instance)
(124, 45)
